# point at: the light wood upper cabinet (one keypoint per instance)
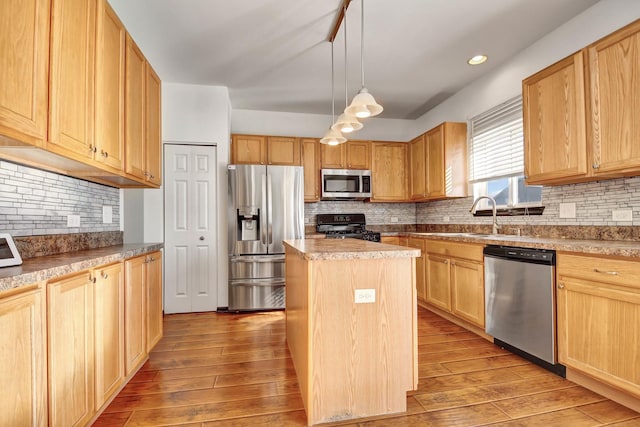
(555, 142)
(135, 132)
(446, 147)
(71, 78)
(109, 331)
(614, 67)
(580, 114)
(265, 150)
(153, 127)
(71, 350)
(154, 298)
(135, 313)
(23, 371)
(598, 313)
(24, 61)
(418, 164)
(350, 155)
(110, 53)
(389, 176)
(311, 164)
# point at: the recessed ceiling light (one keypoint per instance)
(477, 60)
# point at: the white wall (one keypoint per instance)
(599, 20)
(315, 125)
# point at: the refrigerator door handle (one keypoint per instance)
(263, 214)
(270, 210)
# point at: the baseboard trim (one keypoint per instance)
(597, 386)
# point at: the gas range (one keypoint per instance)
(342, 226)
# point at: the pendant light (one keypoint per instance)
(346, 122)
(332, 137)
(363, 104)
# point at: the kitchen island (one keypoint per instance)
(351, 318)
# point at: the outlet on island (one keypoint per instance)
(365, 296)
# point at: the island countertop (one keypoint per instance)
(338, 249)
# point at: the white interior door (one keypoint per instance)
(190, 228)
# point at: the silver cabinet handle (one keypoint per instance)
(595, 166)
(560, 285)
(92, 280)
(104, 275)
(612, 273)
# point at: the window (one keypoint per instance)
(496, 158)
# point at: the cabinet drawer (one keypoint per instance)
(457, 250)
(598, 269)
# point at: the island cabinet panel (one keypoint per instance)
(23, 377)
(24, 61)
(352, 359)
(598, 318)
(71, 350)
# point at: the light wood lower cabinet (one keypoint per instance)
(71, 350)
(455, 279)
(598, 318)
(109, 331)
(23, 377)
(154, 298)
(420, 266)
(135, 313)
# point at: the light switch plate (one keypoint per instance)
(622, 215)
(107, 214)
(567, 210)
(365, 296)
(394, 219)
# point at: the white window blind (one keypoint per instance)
(496, 142)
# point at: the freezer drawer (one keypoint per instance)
(256, 294)
(256, 267)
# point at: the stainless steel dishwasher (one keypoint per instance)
(520, 302)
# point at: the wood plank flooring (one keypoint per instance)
(215, 369)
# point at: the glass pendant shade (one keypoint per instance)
(363, 105)
(333, 137)
(346, 123)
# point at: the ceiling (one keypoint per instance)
(273, 55)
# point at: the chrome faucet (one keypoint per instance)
(496, 227)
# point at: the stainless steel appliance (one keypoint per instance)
(266, 206)
(520, 302)
(342, 226)
(345, 184)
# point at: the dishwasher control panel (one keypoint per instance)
(538, 256)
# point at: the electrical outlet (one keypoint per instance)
(365, 296)
(567, 210)
(622, 215)
(307, 220)
(394, 219)
(73, 220)
(446, 218)
(107, 214)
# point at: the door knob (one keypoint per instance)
(201, 237)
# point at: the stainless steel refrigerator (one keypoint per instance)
(266, 206)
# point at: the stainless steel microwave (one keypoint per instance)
(346, 184)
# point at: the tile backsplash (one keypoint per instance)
(375, 213)
(35, 202)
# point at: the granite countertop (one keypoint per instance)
(338, 249)
(52, 266)
(624, 248)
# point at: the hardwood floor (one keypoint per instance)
(234, 370)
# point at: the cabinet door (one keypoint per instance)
(24, 61)
(595, 335)
(311, 164)
(283, 151)
(134, 135)
(467, 291)
(153, 127)
(333, 156)
(70, 349)
(420, 266)
(555, 144)
(71, 79)
(110, 47)
(434, 141)
(23, 377)
(389, 172)
(154, 299)
(109, 331)
(439, 282)
(614, 65)
(418, 164)
(135, 313)
(248, 149)
(391, 240)
(358, 155)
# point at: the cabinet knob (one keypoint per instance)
(92, 280)
(104, 275)
(560, 285)
(446, 261)
(595, 166)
